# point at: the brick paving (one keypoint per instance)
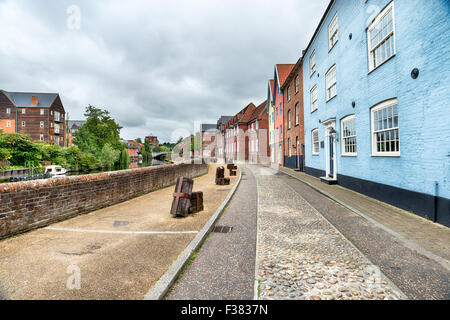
(431, 236)
(301, 256)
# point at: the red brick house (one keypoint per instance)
(209, 134)
(72, 128)
(281, 73)
(293, 120)
(153, 141)
(133, 149)
(258, 133)
(236, 140)
(40, 115)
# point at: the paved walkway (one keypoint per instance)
(418, 276)
(302, 256)
(121, 251)
(224, 268)
(433, 237)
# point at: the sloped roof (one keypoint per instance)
(208, 127)
(23, 99)
(224, 120)
(258, 111)
(78, 123)
(248, 113)
(283, 71)
(271, 85)
(292, 73)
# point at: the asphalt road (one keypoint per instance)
(224, 268)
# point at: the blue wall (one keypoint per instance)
(422, 39)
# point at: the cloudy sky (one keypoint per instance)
(157, 66)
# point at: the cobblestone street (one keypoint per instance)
(300, 255)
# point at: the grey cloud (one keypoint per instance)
(156, 65)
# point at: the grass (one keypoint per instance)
(259, 288)
(188, 264)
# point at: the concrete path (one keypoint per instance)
(418, 276)
(301, 256)
(224, 268)
(119, 252)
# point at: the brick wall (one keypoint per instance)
(28, 205)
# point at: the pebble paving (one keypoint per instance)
(301, 256)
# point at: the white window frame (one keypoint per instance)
(314, 151)
(24, 111)
(351, 136)
(314, 98)
(42, 112)
(24, 124)
(8, 124)
(8, 110)
(330, 84)
(289, 93)
(289, 120)
(297, 84)
(333, 33)
(41, 137)
(297, 115)
(371, 27)
(312, 63)
(290, 147)
(382, 106)
(41, 124)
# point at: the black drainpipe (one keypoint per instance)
(436, 193)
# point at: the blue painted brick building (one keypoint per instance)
(377, 102)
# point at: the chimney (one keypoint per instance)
(34, 100)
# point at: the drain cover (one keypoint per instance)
(222, 229)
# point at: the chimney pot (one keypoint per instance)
(34, 100)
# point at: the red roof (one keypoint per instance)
(283, 71)
(271, 85)
(258, 111)
(248, 113)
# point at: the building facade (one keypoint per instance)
(72, 127)
(258, 134)
(153, 141)
(376, 94)
(236, 140)
(281, 73)
(293, 120)
(271, 114)
(40, 115)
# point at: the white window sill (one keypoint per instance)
(370, 71)
(389, 155)
(349, 155)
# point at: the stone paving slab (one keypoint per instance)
(224, 268)
(302, 256)
(426, 234)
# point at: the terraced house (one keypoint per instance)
(281, 73)
(293, 121)
(376, 96)
(271, 114)
(40, 115)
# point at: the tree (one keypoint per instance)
(138, 140)
(21, 149)
(124, 160)
(99, 130)
(108, 156)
